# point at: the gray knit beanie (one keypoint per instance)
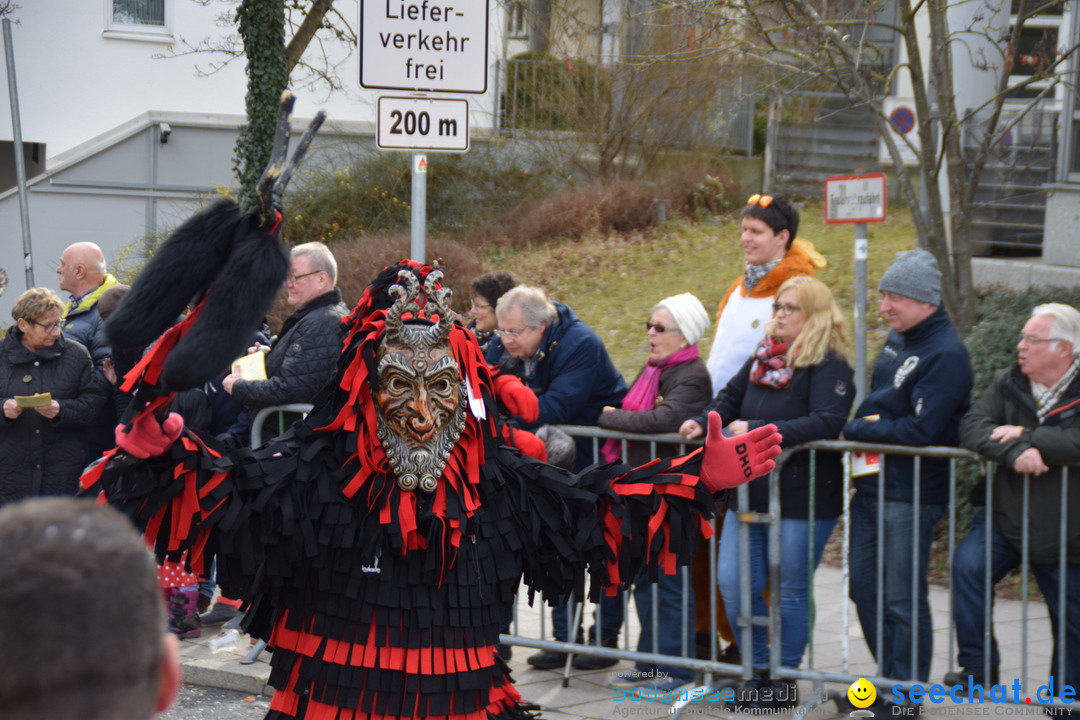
(913, 274)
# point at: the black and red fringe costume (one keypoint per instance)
(381, 603)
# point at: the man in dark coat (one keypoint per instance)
(1028, 421)
(302, 357)
(919, 391)
(560, 357)
(83, 273)
(566, 364)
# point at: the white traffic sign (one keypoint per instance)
(424, 45)
(423, 124)
(855, 198)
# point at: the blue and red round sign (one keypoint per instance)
(902, 119)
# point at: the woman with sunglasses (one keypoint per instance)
(799, 377)
(42, 443)
(673, 386)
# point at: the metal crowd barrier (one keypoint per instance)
(743, 625)
(280, 411)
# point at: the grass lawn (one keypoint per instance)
(613, 281)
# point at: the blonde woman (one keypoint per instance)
(799, 377)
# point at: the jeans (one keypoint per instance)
(794, 581)
(609, 615)
(669, 613)
(968, 577)
(899, 624)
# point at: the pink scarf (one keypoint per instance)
(643, 394)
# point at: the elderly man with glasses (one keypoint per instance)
(566, 364)
(302, 358)
(1028, 422)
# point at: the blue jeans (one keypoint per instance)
(669, 596)
(968, 577)
(899, 624)
(794, 581)
(609, 614)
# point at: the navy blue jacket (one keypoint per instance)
(921, 388)
(813, 406)
(573, 378)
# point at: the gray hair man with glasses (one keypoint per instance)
(566, 364)
(302, 357)
(1028, 422)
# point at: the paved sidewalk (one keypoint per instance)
(588, 695)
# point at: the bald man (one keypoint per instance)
(83, 274)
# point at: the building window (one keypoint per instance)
(139, 12)
(145, 20)
(517, 25)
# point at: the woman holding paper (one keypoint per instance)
(50, 394)
(799, 377)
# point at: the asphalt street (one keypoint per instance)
(203, 703)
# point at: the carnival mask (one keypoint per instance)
(420, 396)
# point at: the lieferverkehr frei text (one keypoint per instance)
(421, 40)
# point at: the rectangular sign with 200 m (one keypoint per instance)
(423, 124)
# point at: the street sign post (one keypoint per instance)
(857, 199)
(421, 46)
(417, 123)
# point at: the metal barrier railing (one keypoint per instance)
(746, 622)
(280, 411)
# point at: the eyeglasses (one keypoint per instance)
(658, 327)
(785, 308)
(513, 334)
(1035, 341)
(480, 306)
(760, 200)
(293, 278)
(46, 327)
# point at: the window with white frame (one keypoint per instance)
(139, 12)
(138, 20)
(517, 24)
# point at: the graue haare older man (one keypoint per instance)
(1028, 421)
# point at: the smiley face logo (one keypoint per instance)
(861, 693)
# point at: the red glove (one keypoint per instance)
(731, 461)
(518, 399)
(526, 442)
(147, 437)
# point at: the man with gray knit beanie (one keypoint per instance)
(919, 391)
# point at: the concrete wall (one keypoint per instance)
(133, 188)
(1061, 241)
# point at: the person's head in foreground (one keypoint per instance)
(82, 623)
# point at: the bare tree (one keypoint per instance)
(847, 45)
(311, 26)
(618, 111)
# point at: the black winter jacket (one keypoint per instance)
(39, 456)
(813, 406)
(303, 357)
(921, 388)
(1008, 401)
